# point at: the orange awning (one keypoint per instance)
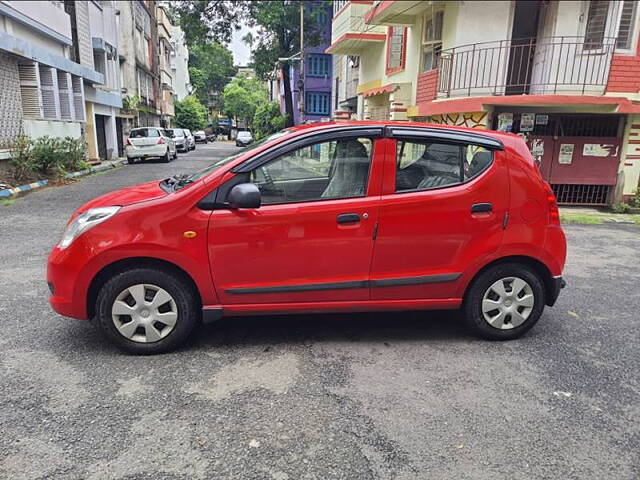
(392, 87)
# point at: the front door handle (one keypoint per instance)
(348, 218)
(481, 208)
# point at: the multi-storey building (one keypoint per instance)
(316, 77)
(139, 63)
(49, 83)
(563, 75)
(180, 64)
(165, 49)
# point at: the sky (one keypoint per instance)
(241, 52)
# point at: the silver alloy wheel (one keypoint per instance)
(144, 313)
(508, 303)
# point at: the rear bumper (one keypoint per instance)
(144, 152)
(557, 284)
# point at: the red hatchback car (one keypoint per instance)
(332, 217)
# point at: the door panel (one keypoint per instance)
(427, 239)
(297, 251)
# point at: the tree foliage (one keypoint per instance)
(190, 113)
(209, 20)
(242, 97)
(267, 120)
(210, 68)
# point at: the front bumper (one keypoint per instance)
(557, 284)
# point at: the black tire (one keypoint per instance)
(472, 307)
(131, 161)
(175, 154)
(185, 300)
(166, 158)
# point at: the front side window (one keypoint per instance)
(424, 165)
(322, 171)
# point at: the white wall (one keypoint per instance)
(46, 13)
(40, 128)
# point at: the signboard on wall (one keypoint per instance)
(527, 122)
(542, 119)
(505, 122)
(599, 150)
(566, 153)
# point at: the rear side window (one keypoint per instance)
(144, 132)
(424, 165)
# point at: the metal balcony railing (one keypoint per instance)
(546, 65)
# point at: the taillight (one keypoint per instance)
(160, 141)
(129, 142)
(554, 213)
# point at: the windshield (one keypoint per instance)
(222, 162)
(144, 132)
(174, 132)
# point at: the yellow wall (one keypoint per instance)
(92, 142)
(463, 119)
(630, 172)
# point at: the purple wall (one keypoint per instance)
(312, 84)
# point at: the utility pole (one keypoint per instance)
(301, 102)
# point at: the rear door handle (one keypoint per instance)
(481, 208)
(348, 218)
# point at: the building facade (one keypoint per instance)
(165, 50)
(180, 64)
(42, 90)
(139, 64)
(311, 87)
(563, 75)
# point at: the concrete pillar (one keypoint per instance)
(111, 134)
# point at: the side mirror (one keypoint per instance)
(244, 195)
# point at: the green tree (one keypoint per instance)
(210, 69)
(267, 119)
(241, 98)
(190, 113)
(277, 36)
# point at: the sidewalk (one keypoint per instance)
(594, 216)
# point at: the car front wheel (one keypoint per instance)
(146, 311)
(504, 302)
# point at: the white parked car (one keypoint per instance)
(244, 138)
(191, 141)
(150, 142)
(200, 136)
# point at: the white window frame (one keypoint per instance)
(432, 44)
(635, 25)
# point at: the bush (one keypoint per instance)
(46, 156)
(635, 200)
(21, 160)
(621, 208)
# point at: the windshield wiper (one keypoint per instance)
(176, 182)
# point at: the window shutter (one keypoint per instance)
(625, 30)
(29, 92)
(78, 98)
(65, 95)
(596, 23)
(48, 91)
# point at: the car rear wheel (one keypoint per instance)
(146, 311)
(504, 302)
(166, 158)
(131, 161)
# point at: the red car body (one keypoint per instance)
(287, 257)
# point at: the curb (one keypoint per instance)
(10, 192)
(100, 168)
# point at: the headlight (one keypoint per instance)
(84, 222)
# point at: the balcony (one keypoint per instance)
(551, 65)
(395, 13)
(349, 34)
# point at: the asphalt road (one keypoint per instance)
(407, 396)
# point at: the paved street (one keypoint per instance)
(407, 396)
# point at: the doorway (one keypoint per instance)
(523, 45)
(101, 136)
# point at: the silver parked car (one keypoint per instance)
(179, 138)
(191, 141)
(149, 142)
